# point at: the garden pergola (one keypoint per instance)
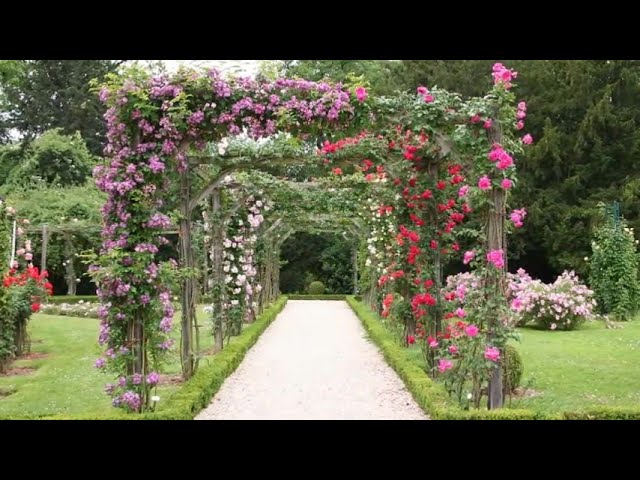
(155, 124)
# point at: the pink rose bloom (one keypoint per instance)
(453, 349)
(471, 330)
(461, 313)
(522, 106)
(28, 257)
(428, 98)
(20, 252)
(516, 304)
(520, 125)
(487, 124)
(517, 216)
(506, 184)
(527, 139)
(468, 256)
(492, 353)
(444, 365)
(422, 90)
(433, 343)
(496, 257)
(475, 119)
(504, 160)
(463, 190)
(484, 183)
(521, 114)
(361, 93)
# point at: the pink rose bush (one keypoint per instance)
(562, 305)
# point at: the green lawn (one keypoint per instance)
(568, 370)
(591, 366)
(66, 380)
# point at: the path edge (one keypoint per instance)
(197, 392)
(430, 396)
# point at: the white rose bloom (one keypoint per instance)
(155, 398)
(225, 269)
(228, 279)
(234, 302)
(368, 262)
(234, 269)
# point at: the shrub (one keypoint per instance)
(512, 368)
(563, 305)
(316, 288)
(614, 270)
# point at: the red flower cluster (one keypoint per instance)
(328, 147)
(386, 304)
(31, 273)
(13, 278)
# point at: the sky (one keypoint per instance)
(239, 67)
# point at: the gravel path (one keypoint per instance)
(313, 362)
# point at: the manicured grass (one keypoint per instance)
(66, 382)
(589, 367)
(582, 369)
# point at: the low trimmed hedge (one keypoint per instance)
(429, 395)
(604, 413)
(72, 299)
(433, 399)
(198, 391)
(327, 296)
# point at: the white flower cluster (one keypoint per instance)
(380, 246)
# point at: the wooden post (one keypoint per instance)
(217, 238)
(45, 242)
(355, 270)
(187, 356)
(496, 284)
(13, 244)
(69, 253)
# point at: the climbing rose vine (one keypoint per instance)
(151, 124)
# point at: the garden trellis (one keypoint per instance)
(155, 125)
